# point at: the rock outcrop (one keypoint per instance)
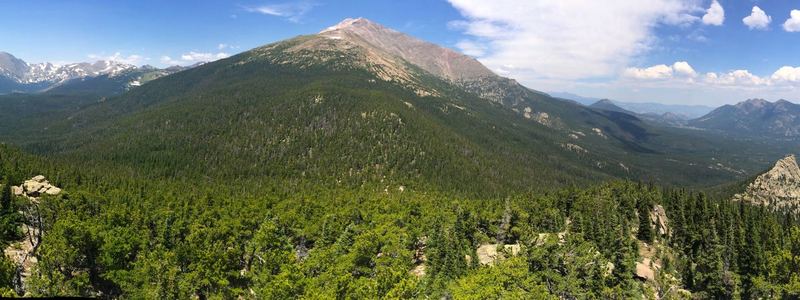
(35, 188)
(24, 252)
(488, 254)
(777, 189)
(659, 218)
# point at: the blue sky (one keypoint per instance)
(670, 51)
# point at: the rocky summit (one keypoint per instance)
(778, 188)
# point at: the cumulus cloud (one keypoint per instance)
(793, 23)
(787, 74)
(193, 57)
(736, 77)
(715, 14)
(679, 72)
(683, 68)
(133, 59)
(292, 11)
(758, 19)
(570, 39)
(678, 69)
(654, 72)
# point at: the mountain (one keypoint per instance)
(403, 109)
(17, 76)
(685, 112)
(606, 104)
(573, 97)
(666, 119)
(778, 189)
(669, 111)
(754, 118)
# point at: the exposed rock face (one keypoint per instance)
(659, 218)
(778, 188)
(646, 270)
(24, 253)
(397, 57)
(35, 188)
(488, 254)
(430, 57)
(420, 258)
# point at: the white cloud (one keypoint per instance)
(758, 19)
(682, 72)
(192, 58)
(654, 72)
(133, 59)
(683, 68)
(715, 14)
(222, 46)
(292, 11)
(793, 23)
(166, 60)
(203, 57)
(570, 39)
(657, 72)
(736, 77)
(471, 48)
(787, 74)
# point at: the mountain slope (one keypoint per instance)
(248, 117)
(754, 118)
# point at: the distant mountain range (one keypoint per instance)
(667, 118)
(18, 76)
(677, 110)
(754, 117)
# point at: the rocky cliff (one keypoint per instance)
(778, 188)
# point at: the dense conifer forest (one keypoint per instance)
(114, 235)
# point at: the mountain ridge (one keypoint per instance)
(17, 75)
(754, 118)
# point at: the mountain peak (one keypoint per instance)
(606, 104)
(351, 23)
(753, 103)
(443, 62)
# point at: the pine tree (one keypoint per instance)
(5, 198)
(646, 233)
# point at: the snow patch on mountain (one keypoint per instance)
(24, 73)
